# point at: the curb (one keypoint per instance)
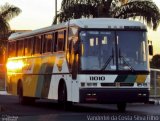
(3, 93)
(154, 101)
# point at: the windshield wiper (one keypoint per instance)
(108, 60)
(125, 61)
(120, 57)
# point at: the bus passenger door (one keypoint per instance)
(73, 67)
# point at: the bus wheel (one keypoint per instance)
(20, 95)
(25, 100)
(121, 107)
(62, 98)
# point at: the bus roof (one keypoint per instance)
(110, 23)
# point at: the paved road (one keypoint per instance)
(46, 110)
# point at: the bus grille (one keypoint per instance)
(120, 84)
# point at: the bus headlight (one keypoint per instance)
(142, 84)
(145, 84)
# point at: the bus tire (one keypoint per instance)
(20, 94)
(22, 99)
(121, 107)
(62, 97)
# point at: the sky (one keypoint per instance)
(35, 13)
(39, 13)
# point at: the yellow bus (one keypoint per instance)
(98, 60)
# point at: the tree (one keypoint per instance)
(155, 62)
(7, 12)
(146, 9)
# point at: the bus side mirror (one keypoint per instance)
(150, 49)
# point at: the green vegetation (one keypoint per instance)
(146, 9)
(155, 62)
(7, 12)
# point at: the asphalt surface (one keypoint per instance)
(48, 110)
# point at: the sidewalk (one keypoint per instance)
(3, 93)
(155, 101)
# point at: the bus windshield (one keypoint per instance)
(113, 50)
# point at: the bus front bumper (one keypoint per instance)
(114, 95)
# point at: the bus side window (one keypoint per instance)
(48, 43)
(20, 49)
(12, 49)
(43, 43)
(61, 40)
(28, 47)
(37, 45)
(64, 40)
(55, 41)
